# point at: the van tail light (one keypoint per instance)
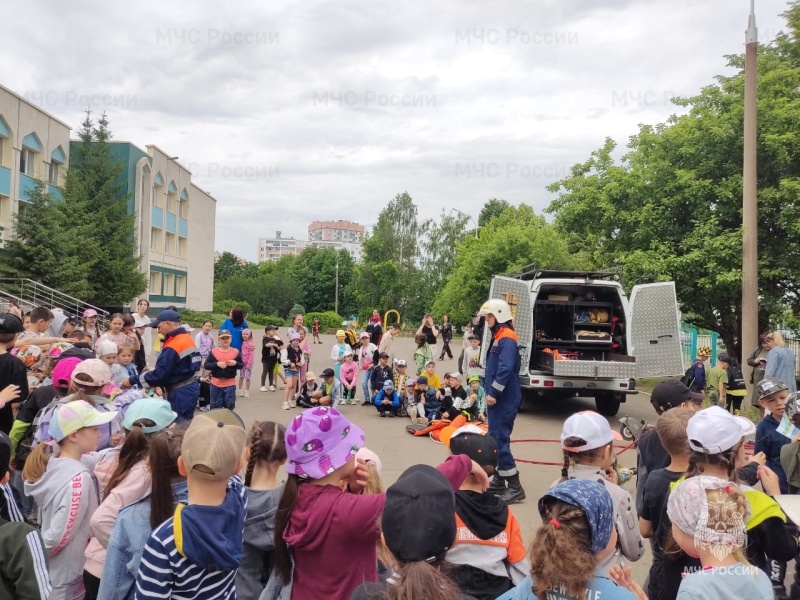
(549, 383)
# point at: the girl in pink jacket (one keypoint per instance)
(348, 375)
(248, 356)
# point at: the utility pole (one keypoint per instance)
(336, 293)
(749, 189)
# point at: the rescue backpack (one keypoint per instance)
(735, 377)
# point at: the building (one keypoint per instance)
(273, 249)
(337, 235)
(34, 145)
(175, 227)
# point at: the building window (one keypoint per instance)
(155, 283)
(52, 176)
(157, 198)
(26, 158)
(155, 239)
(181, 283)
(184, 209)
(171, 203)
(181, 247)
(169, 284)
(170, 244)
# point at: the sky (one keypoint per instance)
(287, 112)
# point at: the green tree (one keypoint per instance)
(44, 247)
(491, 209)
(438, 241)
(314, 269)
(392, 247)
(517, 237)
(670, 208)
(227, 266)
(97, 203)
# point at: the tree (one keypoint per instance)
(393, 246)
(44, 247)
(99, 207)
(517, 237)
(438, 241)
(315, 271)
(671, 207)
(226, 267)
(492, 209)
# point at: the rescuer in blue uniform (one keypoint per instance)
(503, 396)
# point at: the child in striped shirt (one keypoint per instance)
(195, 553)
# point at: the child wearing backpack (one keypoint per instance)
(716, 440)
(65, 492)
(695, 376)
(717, 380)
(418, 502)
(736, 389)
(23, 563)
(488, 552)
(576, 537)
(588, 444)
(332, 533)
(135, 523)
(265, 455)
(195, 553)
(123, 478)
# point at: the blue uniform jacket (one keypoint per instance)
(698, 375)
(381, 395)
(178, 360)
(770, 442)
(502, 366)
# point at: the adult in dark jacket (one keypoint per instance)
(503, 396)
(758, 360)
(447, 336)
(176, 367)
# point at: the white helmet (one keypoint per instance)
(499, 308)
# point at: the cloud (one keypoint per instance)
(291, 112)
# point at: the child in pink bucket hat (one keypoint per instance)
(332, 531)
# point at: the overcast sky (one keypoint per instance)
(288, 112)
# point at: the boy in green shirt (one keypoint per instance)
(717, 380)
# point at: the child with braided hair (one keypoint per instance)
(265, 455)
(576, 537)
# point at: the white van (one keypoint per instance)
(580, 335)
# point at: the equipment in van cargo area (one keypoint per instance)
(579, 335)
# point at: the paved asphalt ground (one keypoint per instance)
(398, 450)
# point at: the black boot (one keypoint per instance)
(777, 576)
(497, 485)
(514, 493)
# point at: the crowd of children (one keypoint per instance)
(105, 494)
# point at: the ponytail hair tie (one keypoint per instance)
(82, 390)
(555, 523)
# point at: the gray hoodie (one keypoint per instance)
(259, 543)
(67, 497)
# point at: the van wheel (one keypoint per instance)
(607, 405)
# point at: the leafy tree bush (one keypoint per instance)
(327, 320)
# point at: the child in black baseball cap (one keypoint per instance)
(489, 553)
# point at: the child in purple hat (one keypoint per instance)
(330, 526)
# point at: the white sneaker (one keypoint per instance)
(241, 393)
(283, 386)
(285, 406)
(246, 393)
(262, 389)
(271, 388)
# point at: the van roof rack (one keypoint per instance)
(532, 272)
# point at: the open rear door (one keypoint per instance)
(654, 333)
(518, 295)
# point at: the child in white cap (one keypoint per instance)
(588, 444)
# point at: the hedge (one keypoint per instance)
(327, 320)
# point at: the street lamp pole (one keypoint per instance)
(749, 191)
(463, 214)
(336, 292)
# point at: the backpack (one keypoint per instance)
(735, 377)
(688, 377)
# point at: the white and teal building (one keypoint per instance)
(34, 145)
(175, 227)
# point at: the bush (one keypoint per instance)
(223, 307)
(297, 309)
(257, 320)
(327, 320)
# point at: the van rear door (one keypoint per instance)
(654, 333)
(518, 295)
